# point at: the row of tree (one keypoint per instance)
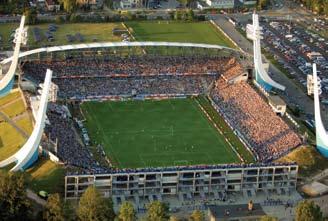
(318, 6)
(93, 207)
(13, 6)
(14, 204)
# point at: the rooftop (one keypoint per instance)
(276, 100)
(226, 212)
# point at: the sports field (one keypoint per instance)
(91, 31)
(12, 105)
(194, 32)
(156, 133)
(100, 32)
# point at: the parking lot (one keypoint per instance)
(296, 49)
(285, 70)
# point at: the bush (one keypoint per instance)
(200, 18)
(59, 19)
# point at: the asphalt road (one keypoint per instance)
(33, 196)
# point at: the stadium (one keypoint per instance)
(146, 120)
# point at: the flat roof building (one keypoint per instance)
(278, 105)
(238, 212)
(221, 3)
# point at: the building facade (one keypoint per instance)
(93, 4)
(221, 3)
(52, 5)
(208, 181)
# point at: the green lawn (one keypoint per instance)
(100, 31)
(8, 98)
(194, 32)
(308, 159)
(46, 175)
(15, 108)
(10, 140)
(156, 133)
(5, 32)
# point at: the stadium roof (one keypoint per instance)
(120, 44)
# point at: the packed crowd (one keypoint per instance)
(142, 75)
(183, 168)
(69, 149)
(128, 66)
(94, 87)
(267, 133)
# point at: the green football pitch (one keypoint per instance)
(150, 133)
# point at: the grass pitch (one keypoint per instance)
(194, 32)
(100, 31)
(152, 133)
(10, 139)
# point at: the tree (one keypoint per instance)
(190, 15)
(261, 4)
(183, 2)
(127, 212)
(69, 211)
(196, 215)
(14, 204)
(173, 218)
(325, 8)
(268, 218)
(157, 211)
(178, 15)
(191, 3)
(54, 210)
(93, 207)
(69, 5)
(31, 16)
(308, 211)
(59, 19)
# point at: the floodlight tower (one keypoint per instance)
(7, 82)
(321, 133)
(254, 33)
(28, 154)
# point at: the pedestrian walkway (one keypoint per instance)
(33, 196)
(281, 206)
